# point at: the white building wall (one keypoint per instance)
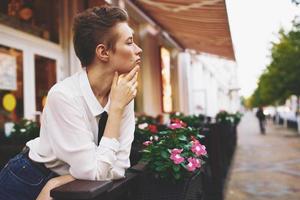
(211, 84)
(184, 63)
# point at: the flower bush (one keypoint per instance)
(195, 121)
(237, 117)
(24, 130)
(225, 117)
(144, 126)
(173, 150)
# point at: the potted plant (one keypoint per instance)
(174, 158)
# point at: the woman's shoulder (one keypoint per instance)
(67, 88)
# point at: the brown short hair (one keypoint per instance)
(94, 26)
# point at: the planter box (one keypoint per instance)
(150, 188)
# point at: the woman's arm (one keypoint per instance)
(126, 138)
(125, 127)
(123, 91)
(53, 183)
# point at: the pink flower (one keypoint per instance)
(198, 148)
(175, 126)
(147, 143)
(190, 167)
(196, 162)
(176, 157)
(193, 164)
(178, 121)
(176, 151)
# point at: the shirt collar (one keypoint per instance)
(88, 95)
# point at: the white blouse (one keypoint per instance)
(69, 132)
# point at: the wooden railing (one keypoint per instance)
(100, 190)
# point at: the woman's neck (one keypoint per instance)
(100, 78)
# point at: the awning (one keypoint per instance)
(201, 25)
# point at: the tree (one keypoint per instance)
(282, 76)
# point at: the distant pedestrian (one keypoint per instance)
(262, 120)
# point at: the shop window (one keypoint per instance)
(37, 17)
(45, 78)
(11, 88)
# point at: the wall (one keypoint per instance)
(211, 84)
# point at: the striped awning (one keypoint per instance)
(201, 25)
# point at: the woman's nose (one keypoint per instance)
(138, 50)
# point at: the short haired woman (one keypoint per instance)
(88, 122)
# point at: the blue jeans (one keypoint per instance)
(20, 180)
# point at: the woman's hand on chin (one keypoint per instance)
(124, 89)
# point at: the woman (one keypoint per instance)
(71, 144)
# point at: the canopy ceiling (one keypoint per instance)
(201, 25)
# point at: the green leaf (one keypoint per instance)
(200, 136)
(187, 146)
(176, 168)
(164, 154)
(160, 168)
(164, 132)
(182, 138)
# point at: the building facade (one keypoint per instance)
(36, 51)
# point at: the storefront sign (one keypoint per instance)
(8, 72)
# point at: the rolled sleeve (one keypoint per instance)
(110, 143)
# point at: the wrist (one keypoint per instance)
(116, 109)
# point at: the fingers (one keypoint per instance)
(133, 89)
(134, 86)
(134, 79)
(132, 73)
(134, 93)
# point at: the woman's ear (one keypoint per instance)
(102, 53)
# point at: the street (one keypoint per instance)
(264, 166)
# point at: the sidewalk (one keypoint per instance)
(265, 166)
